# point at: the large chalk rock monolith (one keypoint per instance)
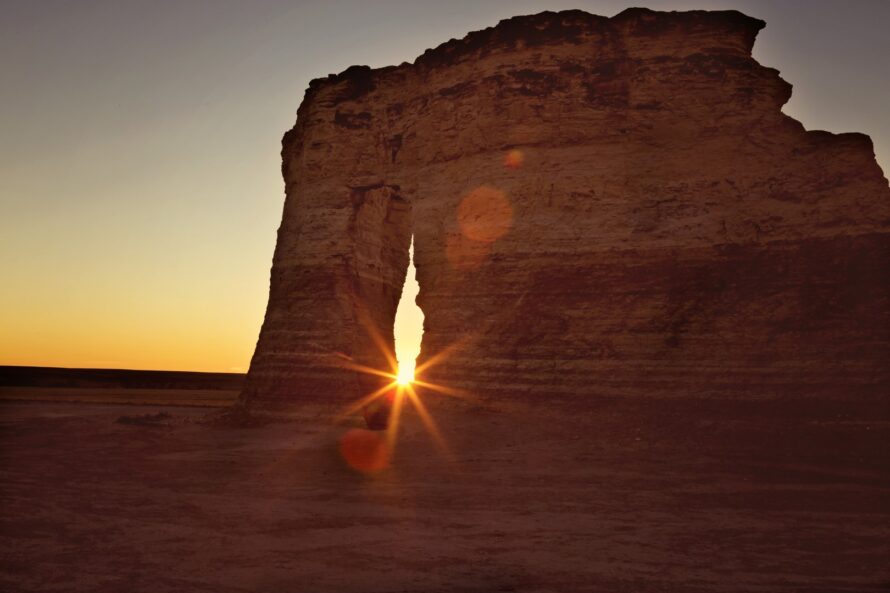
(600, 207)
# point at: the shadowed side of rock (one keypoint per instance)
(600, 207)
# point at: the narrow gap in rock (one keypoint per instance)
(408, 327)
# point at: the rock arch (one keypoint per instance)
(650, 222)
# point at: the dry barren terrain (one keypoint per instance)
(646, 495)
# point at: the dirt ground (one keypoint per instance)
(649, 495)
(206, 398)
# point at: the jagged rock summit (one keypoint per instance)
(600, 207)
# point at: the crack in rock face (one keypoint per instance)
(600, 207)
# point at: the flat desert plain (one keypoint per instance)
(612, 495)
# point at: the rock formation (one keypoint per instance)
(600, 207)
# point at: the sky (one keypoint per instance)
(140, 184)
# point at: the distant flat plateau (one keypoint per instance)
(119, 386)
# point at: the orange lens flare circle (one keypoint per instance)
(364, 450)
(485, 214)
(514, 159)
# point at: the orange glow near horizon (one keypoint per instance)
(161, 326)
(107, 336)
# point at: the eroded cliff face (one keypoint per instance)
(600, 207)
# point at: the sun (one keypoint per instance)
(401, 385)
(406, 373)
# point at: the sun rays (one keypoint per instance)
(401, 389)
(396, 386)
(400, 385)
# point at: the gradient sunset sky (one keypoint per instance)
(140, 184)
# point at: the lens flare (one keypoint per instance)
(370, 451)
(514, 159)
(485, 214)
(364, 451)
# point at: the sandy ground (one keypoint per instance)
(619, 496)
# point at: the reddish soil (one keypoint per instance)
(652, 495)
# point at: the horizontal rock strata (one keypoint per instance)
(599, 206)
